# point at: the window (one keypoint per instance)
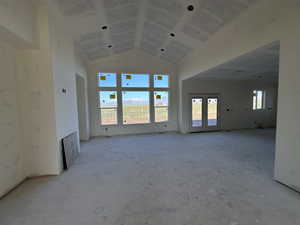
(161, 106)
(128, 98)
(136, 107)
(161, 81)
(135, 80)
(108, 107)
(107, 80)
(258, 99)
(197, 112)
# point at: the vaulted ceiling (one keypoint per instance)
(162, 28)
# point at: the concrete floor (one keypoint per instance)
(166, 179)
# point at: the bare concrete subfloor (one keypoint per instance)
(164, 179)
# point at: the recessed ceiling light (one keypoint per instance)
(172, 34)
(104, 27)
(110, 46)
(190, 8)
(162, 49)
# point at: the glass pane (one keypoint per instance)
(108, 99)
(109, 116)
(135, 80)
(161, 104)
(136, 107)
(161, 114)
(107, 80)
(161, 81)
(197, 112)
(108, 104)
(254, 100)
(212, 112)
(259, 99)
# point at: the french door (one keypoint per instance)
(204, 112)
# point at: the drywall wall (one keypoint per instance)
(65, 66)
(18, 22)
(287, 164)
(82, 107)
(133, 61)
(35, 81)
(235, 96)
(264, 23)
(12, 169)
(35, 114)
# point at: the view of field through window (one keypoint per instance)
(135, 105)
(212, 112)
(108, 107)
(161, 105)
(197, 112)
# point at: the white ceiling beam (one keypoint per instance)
(101, 15)
(141, 21)
(186, 16)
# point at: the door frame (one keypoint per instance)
(205, 127)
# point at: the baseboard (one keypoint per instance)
(6, 193)
(291, 187)
(22, 182)
(136, 134)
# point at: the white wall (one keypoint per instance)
(35, 81)
(82, 106)
(133, 61)
(65, 66)
(18, 22)
(236, 96)
(35, 113)
(12, 169)
(266, 22)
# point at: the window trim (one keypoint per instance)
(119, 89)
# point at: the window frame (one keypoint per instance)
(168, 106)
(263, 103)
(101, 108)
(119, 89)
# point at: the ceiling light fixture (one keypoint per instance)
(190, 8)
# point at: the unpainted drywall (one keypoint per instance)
(65, 66)
(83, 123)
(12, 169)
(266, 22)
(35, 114)
(236, 96)
(131, 62)
(18, 22)
(35, 81)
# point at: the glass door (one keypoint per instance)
(212, 112)
(197, 112)
(204, 112)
